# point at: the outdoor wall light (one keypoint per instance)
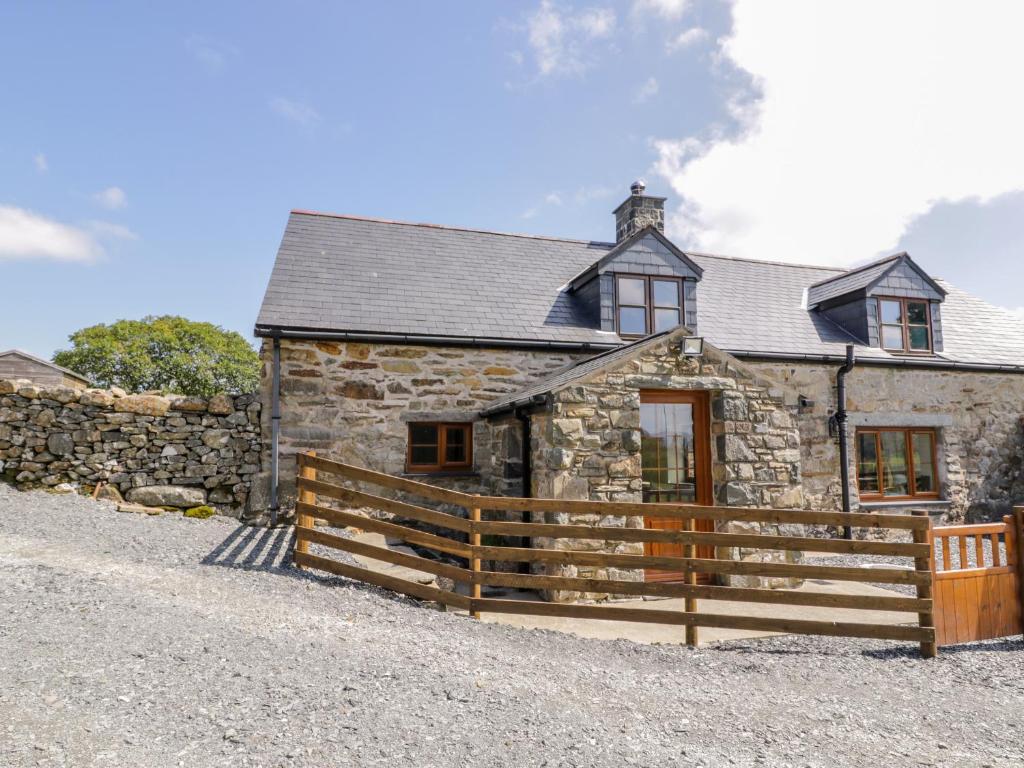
(693, 346)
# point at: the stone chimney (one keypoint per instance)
(638, 211)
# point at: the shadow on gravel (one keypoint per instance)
(1006, 644)
(252, 548)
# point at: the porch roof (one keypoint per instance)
(570, 374)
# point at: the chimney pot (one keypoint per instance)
(637, 187)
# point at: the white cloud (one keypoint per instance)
(297, 111)
(560, 38)
(667, 9)
(107, 229)
(595, 22)
(553, 198)
(111, 197)
(41, 163)
(870, 114)
(646, 91)
(584, 195)
(686, 38)
(28, 235)
(212, 54)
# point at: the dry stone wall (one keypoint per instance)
(587, 446)
(156, 450)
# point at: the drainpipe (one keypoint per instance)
(841, 418)
(527, 475)
(275, 429)
(527, 464)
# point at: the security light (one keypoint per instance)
(693, 346)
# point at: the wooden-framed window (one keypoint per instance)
(905, 325)
(646, 304)
(439, 446)
(897, 463)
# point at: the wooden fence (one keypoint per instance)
(464, 543)
(979, 597)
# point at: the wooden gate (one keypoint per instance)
(979, 592)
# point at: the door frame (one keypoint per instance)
(700, 400)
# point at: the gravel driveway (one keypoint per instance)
(128, 640)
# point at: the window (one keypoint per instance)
(905, 325)
(436, 447)
(647, 304)
(896, 463)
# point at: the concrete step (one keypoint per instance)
(390, 569)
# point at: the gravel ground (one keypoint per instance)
(160, 641)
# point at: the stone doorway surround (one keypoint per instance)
(586, 444)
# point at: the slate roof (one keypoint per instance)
(361, 275)
(858, 279)
(573, 372)
(356, 276)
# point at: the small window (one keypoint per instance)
(905, 325)
(438, 447)
(896, 464)
(647, 305)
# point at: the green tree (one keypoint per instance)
(167, 353)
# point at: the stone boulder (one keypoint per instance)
(98, 397)
(221, 405)
(147, 405)
(60, 444)
(167, 496)
(188, 403)
(63, 395)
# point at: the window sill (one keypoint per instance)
(455, 473)
(904, 504)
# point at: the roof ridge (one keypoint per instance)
(862, 267)
(427, 225)
(751, 260)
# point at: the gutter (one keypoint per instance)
(895, 362)
(267, 331)
(263, 331)
(532, 401)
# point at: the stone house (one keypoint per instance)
(635, 370)
(16, 364)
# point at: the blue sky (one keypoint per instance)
(150, 153)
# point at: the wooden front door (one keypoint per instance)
(675, 455)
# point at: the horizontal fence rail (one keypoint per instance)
(466, 529)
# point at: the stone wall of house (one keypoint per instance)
(353, 402)
(977, 416)
(587, 446)
(156, 450)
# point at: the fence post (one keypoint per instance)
(306, 497)
(1018, 535)
(474, 562)
(926, 591)
(690, 606)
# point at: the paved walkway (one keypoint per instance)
(662, 633)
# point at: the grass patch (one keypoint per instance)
(200, 513)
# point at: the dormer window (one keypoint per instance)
(905, 325)
(647, 304)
